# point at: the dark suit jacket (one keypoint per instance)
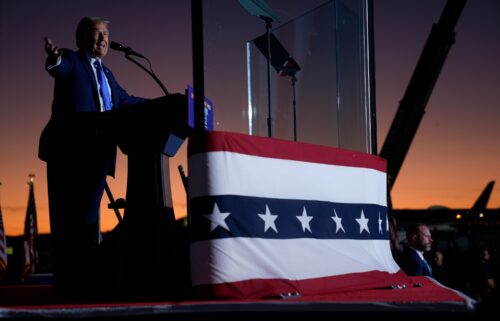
(413, 265)
(72, 133)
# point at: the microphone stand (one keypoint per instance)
(152, 74)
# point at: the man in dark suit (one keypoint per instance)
(419, 241)
(78, 155)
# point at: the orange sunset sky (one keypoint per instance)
(455, 153)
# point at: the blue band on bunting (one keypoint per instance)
(239, 216)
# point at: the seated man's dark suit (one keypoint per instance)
(78, 160)
(414, 265)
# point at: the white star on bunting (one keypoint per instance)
(217, 218)
(338, 222)
(269, 219)
(304, 220)
(363, 223)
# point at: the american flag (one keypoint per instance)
(30, 258)
(3, 247)
(273, 218)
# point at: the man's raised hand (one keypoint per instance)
(51, 49)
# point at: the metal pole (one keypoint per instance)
(198, 64)
(269, 112)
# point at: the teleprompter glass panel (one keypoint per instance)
(325, 101)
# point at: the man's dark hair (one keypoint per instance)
(413, 229)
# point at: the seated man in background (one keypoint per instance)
(419, 240)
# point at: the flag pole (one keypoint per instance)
(3, 244)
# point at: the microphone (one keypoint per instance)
(127, 50)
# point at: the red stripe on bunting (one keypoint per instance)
(281, 149)
(269, 288)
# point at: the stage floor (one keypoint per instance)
(429, 301)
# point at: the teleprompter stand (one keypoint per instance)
(259, 8)
(283, 63)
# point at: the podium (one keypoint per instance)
(144, 132)
(140, 254)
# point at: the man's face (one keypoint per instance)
(424, 238)
(97, 40)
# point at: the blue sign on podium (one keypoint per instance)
(208, 110)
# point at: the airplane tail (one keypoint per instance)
(482, 200)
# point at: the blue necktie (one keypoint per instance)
(106, 97)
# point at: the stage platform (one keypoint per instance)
(425, 301)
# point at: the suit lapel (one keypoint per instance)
(90, 73)
(424, 263)
(427, 266)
